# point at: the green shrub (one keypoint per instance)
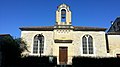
(36, 61)
(92, 61)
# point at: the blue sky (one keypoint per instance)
(18, 13)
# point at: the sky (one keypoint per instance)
(18, 13)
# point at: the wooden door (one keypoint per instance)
(63, 56)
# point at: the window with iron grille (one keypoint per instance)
(38, 45)
(87, 44)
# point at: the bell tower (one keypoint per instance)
(63, 15)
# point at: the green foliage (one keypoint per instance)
(22, 44)
(10, 50)
(8, 45)
(92, 61)
(36, 61)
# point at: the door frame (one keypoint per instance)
(63, 50)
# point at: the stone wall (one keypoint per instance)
(74, 48)
(28, 37)
(114, 45)
(99, 43)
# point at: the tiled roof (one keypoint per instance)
(51, 28)
(4, 34)
(113, 33)
(38, 28)
(114, 24)
(80, 28)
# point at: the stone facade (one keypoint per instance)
(99, 42)
(74, 48)
(28, 37)
(114, 45)
(64, 35)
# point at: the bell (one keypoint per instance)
(63, 12)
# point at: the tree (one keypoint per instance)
(22, 44)
(10, 50)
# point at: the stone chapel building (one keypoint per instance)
(65, 41)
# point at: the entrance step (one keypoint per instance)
(63, 65)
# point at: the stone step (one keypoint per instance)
(64, 65)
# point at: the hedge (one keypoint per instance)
(33, 61)
(92, 61)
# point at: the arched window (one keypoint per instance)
(38, 45)
(87, 44)
(63, 15)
